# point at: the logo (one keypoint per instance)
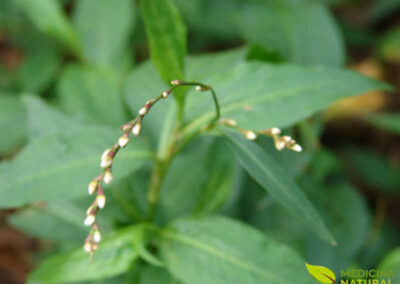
(351, 276)
(321, 274)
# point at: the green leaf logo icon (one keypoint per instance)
(321, 274)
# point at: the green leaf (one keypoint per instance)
(44, 58)
(389, 45)
(45, 119)
(167, 37)
(391, 262)
(302, 32)
(48, 17)
(260, 95)
(59, 167)
(114, 256)
(60, 222)
(218, 250)
(153, 275)
(277, 182)
(104, 28)
(12, 122)
(93, 92)
(386, 121)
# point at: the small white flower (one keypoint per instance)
(296, 148)
(101, 201)
(275, 131)
(143, 111)
(176, 82)
(92, 187)
(250, 135)
(165, 94)
(87, 247)
(279, 143)
(229, 122)
(123, 141)
(106, 162)
(136, 129)
(96, 236)
(286, 138)
(107, 177)
(90, 219)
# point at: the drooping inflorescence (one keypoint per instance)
(132, 127)
(280, 142)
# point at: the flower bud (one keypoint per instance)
(143, 110)
(250, 135)
(101, 200)
(296, 148)
(176, 82)
(95, 246)
(136, 129)
(107, 177)
(96, 236)
(279, 143)
(93, 186)
(165, 94)
(123, 141)
(87, 246)
(275, 131)
(228, 121)
(89, 220)
(202, 88)
(106, 158)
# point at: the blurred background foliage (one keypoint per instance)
(72, 70)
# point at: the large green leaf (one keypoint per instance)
(104, 28)
(302, 32)
(114, 256)
(167, 37)
(260, 95)
(12, 122)
(92, 92)
(59, 166)
(218, 250)
(48, 17)
(277, 182)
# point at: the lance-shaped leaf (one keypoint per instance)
(321, 274)
(260, 95)
(60, 166)
(386, 121)
(167, 37)
(114, 256)
(279, 184)
(219, 250)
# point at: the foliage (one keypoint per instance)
(193, 200)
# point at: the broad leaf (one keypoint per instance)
(260, 95)
(92, 92)
(60, 166)
(218, 250)
(114, 256)
(48, 17)
(273, 178)
(167, 37)
(45, 119)
(104, 28)
(301, 32)
(12, 122)
(389, 45)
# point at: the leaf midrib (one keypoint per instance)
(220, 254)
(77, 164)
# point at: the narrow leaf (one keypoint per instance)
(277, 182)
(167, 37)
